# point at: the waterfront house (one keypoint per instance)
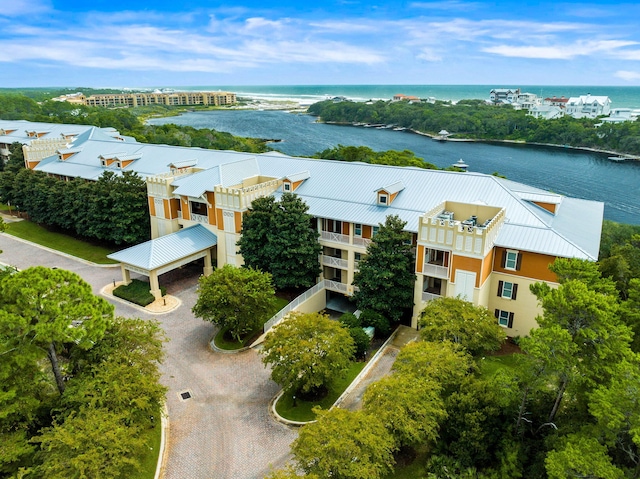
(546, 112)
(504, 95)
(480, 237)
(555, 101)
(588, 106)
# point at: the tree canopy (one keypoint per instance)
(306, 351)
(386, 278)
(277, 237)
(239, 299)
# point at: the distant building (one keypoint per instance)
(183, 98)
(409, 98)
(588, 106)
(546, 112)
(504, 95)
(555, 101)
(619, 115)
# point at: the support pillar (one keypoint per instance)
(417, 300)
(208, 267)
(126, 275)
(155, 285)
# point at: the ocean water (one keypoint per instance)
(620, 96)
(579, 174)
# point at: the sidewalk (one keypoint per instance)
(380, 368)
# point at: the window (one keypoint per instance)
(382, 199)
(375, 231)
(511, 260)
(358, 256)
(505, 318)
(357, 229)
(198, 208)
(507, 290)
(287, 186)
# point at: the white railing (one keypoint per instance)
(293, 305)
(334, 237)
(361, 241)
(429, 296)
(199, 218)
(334, 262)
(436, 271)
(335, 286)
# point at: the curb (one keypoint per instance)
(216, 349)
(163, 452)
(104, 293)
(346, 392)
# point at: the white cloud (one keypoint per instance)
(559, 52)
(627, 75)
(16, 8)
(454, 5)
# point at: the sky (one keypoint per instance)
(134, 43)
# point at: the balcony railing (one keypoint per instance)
(435, 271)
(361, 241)
(199, 218)
(334, 237)
(334, 262)
(335, 286)
(429, 296)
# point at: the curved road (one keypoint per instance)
(224, 430)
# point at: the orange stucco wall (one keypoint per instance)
(420, 259)
(547, 206)
(467, 264)
(345, 228)
(186, 214)
(167, 210)
(211, 212)
(237, 216)
(174, 204)
(295, 185)
(534, 265)
(152, 206)
(487, 267)
(366, 231)
(219, 219)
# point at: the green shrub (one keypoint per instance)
(361, 339)
(379, 322)
(350, 320)
(137, 292)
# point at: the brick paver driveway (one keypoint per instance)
(224, 430)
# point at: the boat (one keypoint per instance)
(618, 158)
(461, 164)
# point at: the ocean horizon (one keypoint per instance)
(621, 96)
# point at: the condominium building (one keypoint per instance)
(183, 98)
(482, 238)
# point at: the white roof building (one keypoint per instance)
(588, 106)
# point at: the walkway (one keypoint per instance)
(224, 430)
(381, 367)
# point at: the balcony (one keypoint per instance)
(364, 242)
(336, 286)
(426, 296)
(199, 218)
(435, 270)
(334, 237)
(334, 262)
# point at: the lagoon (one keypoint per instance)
(576, 173)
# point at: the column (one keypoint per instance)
(126, 274)
(155, 286)
(208, 267)
(417, 300)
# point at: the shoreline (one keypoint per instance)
(624, 155)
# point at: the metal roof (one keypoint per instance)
(197, 184)
(165, 250)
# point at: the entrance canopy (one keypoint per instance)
(167, 253)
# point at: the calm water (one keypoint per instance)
(578, 174)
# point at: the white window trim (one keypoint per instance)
(286, 186)
(356, 227)
(501, 318)
(383, 199)
(515, 263)
(504, 287)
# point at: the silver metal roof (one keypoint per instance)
(162, 251)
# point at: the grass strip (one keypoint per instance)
(60, 242)
(302, 411)
(149, 460)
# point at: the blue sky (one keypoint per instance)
(190, 43)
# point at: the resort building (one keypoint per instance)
(177, 98)
(588, 106)
(555, 101)
(480, 237)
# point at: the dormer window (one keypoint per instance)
(286, 186)
(383, 199)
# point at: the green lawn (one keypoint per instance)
(490, 365)
(60, 242)
(149, 460)
(221, 342)
(302, 411)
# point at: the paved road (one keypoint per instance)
(224, 430)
